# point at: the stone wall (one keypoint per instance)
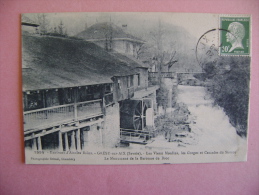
(111, 130)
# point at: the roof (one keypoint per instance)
(28, 22)
(55, 62)
(101, 31)
(130, 60)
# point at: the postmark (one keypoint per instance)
(235, 36)
(207, 48)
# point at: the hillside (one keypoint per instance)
(174, 39)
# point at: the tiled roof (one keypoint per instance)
(55, 62)
(101, 31)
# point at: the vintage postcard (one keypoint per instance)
(135, 88)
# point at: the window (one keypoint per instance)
(119, 84)
(127, 47)
(33, 100)
(138, 79)
(130, 81)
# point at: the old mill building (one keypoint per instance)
(77, 94)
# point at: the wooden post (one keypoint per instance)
(170, 99)
(103, 103)
(66, 142)
(142, 114)
(34, 144)
(78, 141)
(39, 143)
(103, 106)
(44, 99)
(84, 139)
(101, 134)
(60, 141)
(73, 145)
(75, 103)
(153, 117)
(75, 111)
(25, 101)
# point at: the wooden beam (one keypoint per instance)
(73, 145)
(34, 145)
(142, 114)
(78, 140)
(43, 133)
(60, 141)
(66, 142)
(39, 143)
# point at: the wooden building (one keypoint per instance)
(70, 87)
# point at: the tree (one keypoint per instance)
(172, 61)
(141, 50)
(160, 55)
(157, 37)
(230, 88)
(61, 28)
(55, 30)
(44, 24)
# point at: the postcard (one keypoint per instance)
(135, 88)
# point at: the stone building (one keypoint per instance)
(112, 38)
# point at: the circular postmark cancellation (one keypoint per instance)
(231, 39)
(207, 48)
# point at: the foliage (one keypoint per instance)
(45, 27)
(229, 86)
(163, 96)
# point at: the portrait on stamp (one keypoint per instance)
(235, 35)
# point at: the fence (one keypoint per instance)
(57, 114)
(136, 136)
(163, 74)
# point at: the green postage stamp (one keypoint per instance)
(235, 35)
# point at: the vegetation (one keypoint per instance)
(45, 27)
(228, 84)
(163, 97)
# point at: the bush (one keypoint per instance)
(230, 89)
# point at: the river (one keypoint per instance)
(210, 127)
(212, 124)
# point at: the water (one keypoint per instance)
(210, 130)
(212, 124)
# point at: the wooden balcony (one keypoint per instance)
(108, 99)
(56, 115)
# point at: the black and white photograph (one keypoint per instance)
(135, 87)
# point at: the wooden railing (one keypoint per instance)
(57, 114)
(163, 74)
(136, 136)
(108, 99)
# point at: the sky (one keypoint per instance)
(75, 22)
(183, 29)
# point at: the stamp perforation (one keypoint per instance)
(236, 40)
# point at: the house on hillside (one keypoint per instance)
(74, 93)
(112, 38)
